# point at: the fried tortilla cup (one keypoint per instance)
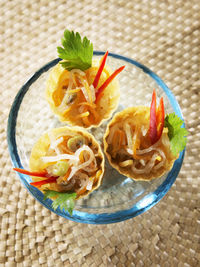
(128, 147)
(72, 97)
(73, 156)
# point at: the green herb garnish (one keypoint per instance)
(176, 133)
(64, 200)
(76, 53)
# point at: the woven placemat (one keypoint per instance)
(165, 36)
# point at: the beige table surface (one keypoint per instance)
(165, 36)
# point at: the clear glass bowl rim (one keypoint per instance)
(83, 217)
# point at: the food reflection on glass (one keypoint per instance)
(66, 164)
(142, 143)
(80, 90)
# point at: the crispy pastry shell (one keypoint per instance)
(137, 115)
(42, 145)
(105, 107)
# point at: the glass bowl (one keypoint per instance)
(118, 198)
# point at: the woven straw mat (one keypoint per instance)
(163, 35)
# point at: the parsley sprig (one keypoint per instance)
(66, 201)
(76, 53)
(176, 133)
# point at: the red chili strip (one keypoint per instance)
(47, 181)
(153, 124)
(97, 77)
(106, 83)
(37, 174)
(51, 179)
(160, 118)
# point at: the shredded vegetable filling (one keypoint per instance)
(134, 150)
(71, 158)
(77, 93)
